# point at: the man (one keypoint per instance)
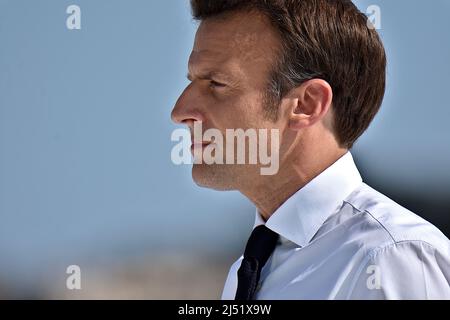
(314, 70)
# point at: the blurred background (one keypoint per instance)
(85, 171)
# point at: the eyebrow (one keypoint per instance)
(211, 75)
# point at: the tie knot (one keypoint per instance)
(261, 244)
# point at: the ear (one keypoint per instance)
(311, 103)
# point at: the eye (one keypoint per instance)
(215, 84)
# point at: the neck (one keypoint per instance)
(270, 192)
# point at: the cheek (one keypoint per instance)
(237, 111)
(228, 112)
(248, 112)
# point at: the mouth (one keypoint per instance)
(199, 146)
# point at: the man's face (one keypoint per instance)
(229, 69)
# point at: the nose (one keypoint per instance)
(185, 110)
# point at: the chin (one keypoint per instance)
(213, 177)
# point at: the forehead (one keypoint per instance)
(243, 41)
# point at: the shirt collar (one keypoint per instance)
(300, 217)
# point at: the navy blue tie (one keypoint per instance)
(259, 248)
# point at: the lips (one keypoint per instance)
(199, 146)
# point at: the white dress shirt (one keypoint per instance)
(341, 239)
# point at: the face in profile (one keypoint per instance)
(229, 70)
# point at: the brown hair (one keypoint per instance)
(326, 39)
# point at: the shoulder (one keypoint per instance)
(411, 254)
(391, 222)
